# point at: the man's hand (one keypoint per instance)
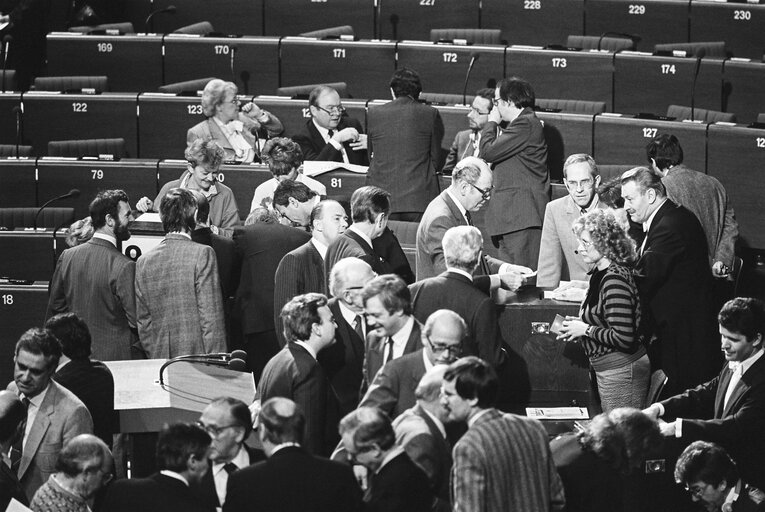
(494, 115)
(652, 411)
(361, 143)
(346, 135)
(144, 204)
(667, 428)
(720, 269)
(510, 281)
(361, 476)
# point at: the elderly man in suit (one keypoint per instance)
(470, 190)
(503, 461)
(229, 423)
(513, 142)
(729, 409)
(295, 373)
(291, 479)
(178, 294)
(302, 270)
(557, 252)
(674, 283)
(12, 417)
(467, 142)
(329, 134)
(182, 461)
(404, 139)
(96, 281)
(54, 415)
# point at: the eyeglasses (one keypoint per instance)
(443, 347)
(585, 184)
(476, 111)
(496, 101)
(485, 193)
(696, 490)
(107, 477)
(212, 430)
(353, 456)
(585, 244)
(333, 109)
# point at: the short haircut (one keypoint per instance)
(295, 189)
(203, 207)
(609, 236)
(313, 98)
(468, 170)
(282, 155)
(176, 210)
(178, 442)
(429, 387)
(368, 426)
(262, 215)
(621, 437)
(299, 315)
(462, 247)
(338, 276)
(438, 315)
(280, 427)
(80, 232)
(207, 153)
(238, 410)
(665, 149)
(73, 333)
(645, 179)
(214, 93)
(705, 462)
(40, 342)
(11, 417)
(516, 91)
(79, 451)
(107, 202)
(392, 291)
(578, 158)
(317, 212)
(487, 93)
(474, 378)
(368, 202)
(743, 315)
(610, 193)
(406, 82)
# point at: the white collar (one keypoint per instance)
(348, 314)
(213, 190)
(37, 400)
(308, 347)
(436, 421)
(461, 208)
(460, 271)
(62, 361)
(241, 460)
(320, 246)
(282, 446)
(428, 364)
(323, 131)
(746, 363)
(395, 452)
(402, 336)
(180, 233)
(173, 474)
(353, 227)
(647, 223)
(104, 236)
(475, 417)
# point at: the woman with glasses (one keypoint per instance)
(608, 327)
(237, 132)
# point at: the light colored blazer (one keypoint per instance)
(559, 243)
(62, 416)
(178, 299)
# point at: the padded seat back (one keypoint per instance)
(471, 35)
(700, 114)
(326, 33)
(715, 49)
(304, 90)
(573, 106)
(191, 86)
(66, 83)
(14, 218)
(124, 27)
(7, 150)
(612, 44)
(87, 147)
(202, 28)
(8, 77)
(447, 99)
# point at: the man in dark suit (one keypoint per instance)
(182, 460)
(294, 372)
(513, 142)
(404, 139)
(225, 250)
(229, 423)
(393, 331)
(467, 142)
(729, 409)
(291, 480)
(470, 190)
(329, 134)
(674, 283)
(302, 270)
(12, 416)
(91, 381)
(397, 483)
(261, 246)
(344, 359)
(96, 281)
(368, 238)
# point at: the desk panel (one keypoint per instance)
(281, 18)
(655, 21)
(565, 134)
(226, 16)
(294, 113)
(133, 63)
(341, 185)
(564, 74)
(537, 22)
(163, 120)
(8, 100)
(21, 307)
(366, 66)
(622, 140)
(737, 159)
(742, 83)
(18, 186)
(442, 67)
(54, 116)
(647, 83)
(28, 254)
(255, 61)
(740, 25)
(413, 19)
(137, 178)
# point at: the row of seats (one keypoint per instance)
(539, 22)
(626, 82)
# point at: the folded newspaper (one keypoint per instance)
(569, 291)
(316, 167)
(557, 413)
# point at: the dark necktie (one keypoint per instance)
(358, 326)
(390, 350)
(584, 211)
(230, 467)
(468, 218)
(330, 133)
(18, 445)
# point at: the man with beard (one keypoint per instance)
(95, 280)
(467, 142)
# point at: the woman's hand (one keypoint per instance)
(572, 329)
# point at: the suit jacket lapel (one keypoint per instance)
(362, 243)
(756, 372)
(655, 222)
(722, 387)
(454, 209)
(39, 428)
(414, 342)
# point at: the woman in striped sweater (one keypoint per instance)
(610, 314)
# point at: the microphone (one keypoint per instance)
(6, 44)
(232, 48)
(473, 57)
(233, 361)
(254, 131)
(635, 38)
(149, 23)
(17, 111)
(72, 193)
(700, 54)
(394, 26)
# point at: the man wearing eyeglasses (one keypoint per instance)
(330, 134)
(557, 252)
(467, 142)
